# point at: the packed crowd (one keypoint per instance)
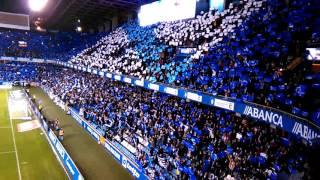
(252, 51)
(127, 50)
(13, 71)
(53, 45)
(262, 61)
(171, 137)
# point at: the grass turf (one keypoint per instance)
(36, 159)
(91, 158)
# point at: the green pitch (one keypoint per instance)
(24, 155)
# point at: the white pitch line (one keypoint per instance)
(7, 152)
(14, 143)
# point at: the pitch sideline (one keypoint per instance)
(14, 140)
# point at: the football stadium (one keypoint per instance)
(159, 89)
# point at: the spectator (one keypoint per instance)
(61, 134)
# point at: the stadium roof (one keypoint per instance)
(63, 14)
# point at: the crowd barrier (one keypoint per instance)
(123, 159)
(293, 124)
(63, 156)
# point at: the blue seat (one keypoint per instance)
(316, 86)
(301, 90)
(289, 102)
(305, 114)
(296, 111)
(233, 95)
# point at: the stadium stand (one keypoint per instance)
(18, 72)
(253, 51)
(173, 138)
(53, 46)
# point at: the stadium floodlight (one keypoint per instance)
(37, 5)
(79, 29)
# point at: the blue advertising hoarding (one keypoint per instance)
(64, 156)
